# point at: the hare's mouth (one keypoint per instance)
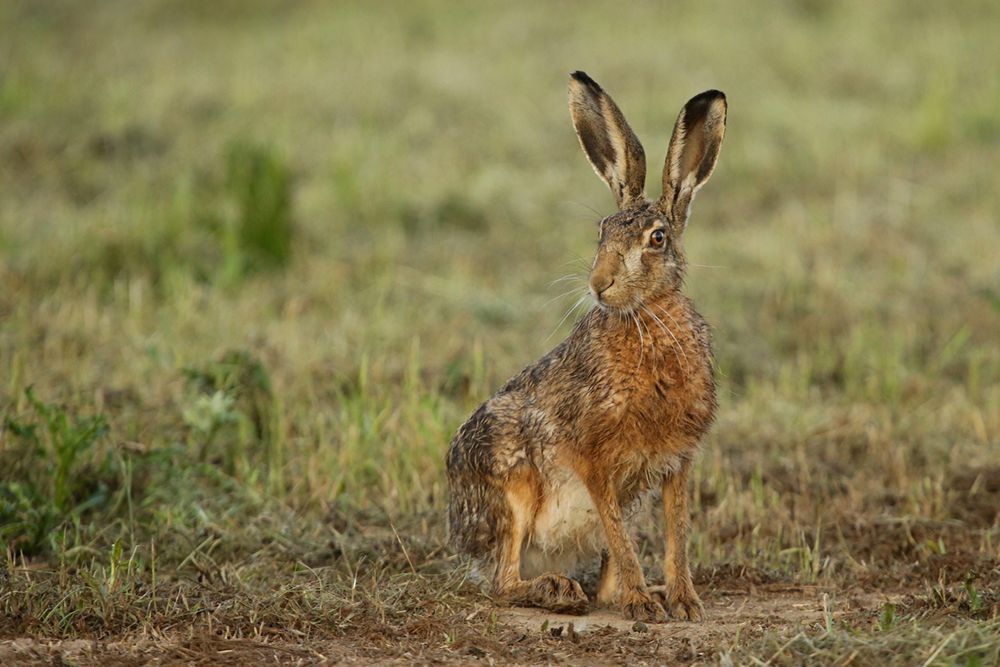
(609, 307)
(614, 298)
(614, 308)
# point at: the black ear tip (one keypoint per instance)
(708, 97)
(583, 78)
(702, 103)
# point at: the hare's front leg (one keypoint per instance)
(678, 595)
(636, 601)
(555, 592)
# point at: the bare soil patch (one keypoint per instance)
(517, 635)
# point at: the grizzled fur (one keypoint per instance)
(544, 471)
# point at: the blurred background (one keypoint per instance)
(261, 259)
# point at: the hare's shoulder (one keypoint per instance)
(522, 419)
(498, 436)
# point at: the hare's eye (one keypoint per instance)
(656, 238)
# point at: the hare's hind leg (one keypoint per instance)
(678, 595)
(551, 591)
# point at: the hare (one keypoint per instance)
(545, 472)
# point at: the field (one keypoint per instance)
(258, 261)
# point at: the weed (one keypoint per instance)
(48, 486)
(260, 237)
(974, 601)
(232, 398)
(888, 618)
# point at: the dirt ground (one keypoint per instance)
(522, 636)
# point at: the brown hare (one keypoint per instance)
(545, 472)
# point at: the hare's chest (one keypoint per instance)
(565, 528)
(659, 414)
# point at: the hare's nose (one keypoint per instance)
(601, 284)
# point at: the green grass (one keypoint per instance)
(258, 262)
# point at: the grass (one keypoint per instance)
(258, 265)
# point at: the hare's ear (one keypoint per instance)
(610, 144)
(694, 149)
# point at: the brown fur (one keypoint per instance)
(619, 407)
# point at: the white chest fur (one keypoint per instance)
(566, 528)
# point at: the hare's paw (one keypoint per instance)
(559, 594)
(683, 603)
(606, 598)
(643, 607)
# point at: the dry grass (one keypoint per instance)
(283, 253)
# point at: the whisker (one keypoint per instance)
(585, 304)
(652, 343)
(642, 343)
(584, 301)
(575, 289)
(586, 206)
(568, 276)
(571, 309)
(676, 344)
(649, 334)
(656, 319)
(671, 318)
(582, 261)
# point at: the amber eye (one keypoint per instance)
(656, 238)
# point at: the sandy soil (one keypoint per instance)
(521, 636)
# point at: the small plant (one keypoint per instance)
(47, 484)
(260, 237)
(233, 410)
(975, 601)
(887, 620)
(207, 416)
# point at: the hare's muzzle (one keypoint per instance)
(602, 276)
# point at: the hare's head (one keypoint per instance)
(639, 256)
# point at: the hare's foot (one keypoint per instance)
(554, 592)
(681, 602)
(607, 586)
(640, 606)
(558, 593)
